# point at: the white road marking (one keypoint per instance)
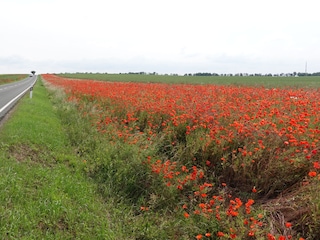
(23, 92)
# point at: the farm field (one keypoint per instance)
(308, 82)
(7, 78)
(236, 160)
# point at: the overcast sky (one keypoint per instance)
(164, 36)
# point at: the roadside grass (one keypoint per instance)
(7, 78)
(304, 82)
(44, 193)
(63, 179)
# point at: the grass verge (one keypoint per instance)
(43, 192)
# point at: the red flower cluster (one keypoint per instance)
(239, 129)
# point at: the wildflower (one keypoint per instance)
(196, 212)
(144, 208)
(233, 213)
(312, 174)
(199, 236)
(270, 236)
(316, 165)
(186, 215)
(204, 195)
(202, 205)
(239, 202)
(179, 187)
(250, 202)
(288, 225)
(184, 169)
(220, 234)
(208, 234)
(254, 190)
(248, 205)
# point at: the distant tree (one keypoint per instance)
(33, 72)
(205, 74)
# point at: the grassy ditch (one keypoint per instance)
(43, 192)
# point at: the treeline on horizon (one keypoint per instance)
(207, 74)
(294, 74)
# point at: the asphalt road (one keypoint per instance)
(10, 93)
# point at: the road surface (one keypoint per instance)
(10, 93)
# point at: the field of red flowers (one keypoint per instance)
(224, 151)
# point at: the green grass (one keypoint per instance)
(62, 179)
(6, 78)
(44, 193)
(308, 82)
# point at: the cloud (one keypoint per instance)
(164, 36)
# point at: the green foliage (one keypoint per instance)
(308, 82)
(6, 78)
(44, 194)
(62, 179)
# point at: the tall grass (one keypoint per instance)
(44, 194)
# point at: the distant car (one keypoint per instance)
(30, 75)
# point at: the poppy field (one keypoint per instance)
(220, 161)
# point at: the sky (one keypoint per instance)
(163, 36)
